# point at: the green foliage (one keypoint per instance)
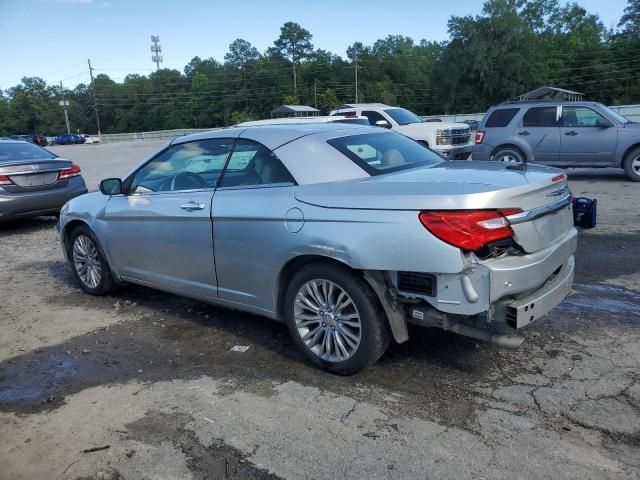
(327, 101)
(291, 100)
(511, 47)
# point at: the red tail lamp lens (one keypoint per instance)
(469, 229)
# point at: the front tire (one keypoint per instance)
(88, 262)
(335, 319)
(509, 155)
(632, 165)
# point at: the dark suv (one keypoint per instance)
(559, 133)
(37, 138)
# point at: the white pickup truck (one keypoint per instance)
(451, 140)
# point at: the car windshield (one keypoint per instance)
(22, 151)
(616, 116)
(403, 116)
(378, 153)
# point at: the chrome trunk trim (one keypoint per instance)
(540, 211)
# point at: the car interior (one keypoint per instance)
(250, 164)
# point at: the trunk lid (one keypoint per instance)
(30, 175)
(459, 185)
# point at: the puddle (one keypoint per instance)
(604, 298)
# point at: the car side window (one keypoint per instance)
(186, 166)
(581, 117)
(373, 117)
(541, 117)
(253, 164)
(501, 117)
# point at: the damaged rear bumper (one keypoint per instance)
(491, 300)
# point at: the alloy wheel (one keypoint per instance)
(86, 261)
(508, 158)
(635, 165)
(327, 320)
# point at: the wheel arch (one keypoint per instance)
(289, 270)
(526, 150)
(627, 151)
(69, 227)
(65, 233)
(376, 280)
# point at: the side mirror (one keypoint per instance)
(383, 124)
(602, 123)
(111, 186)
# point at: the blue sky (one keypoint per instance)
(53, 38)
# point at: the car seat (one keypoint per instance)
(269, 169)
(392, 157)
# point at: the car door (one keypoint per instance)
(251, 239)
(587, 137)
(540, 129)
(159, 233)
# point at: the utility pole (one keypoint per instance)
(355, 59)
(95, 101)
(315, 94)
(156, 49)
(64, 104)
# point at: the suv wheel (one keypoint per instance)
(632, 165)
(509, 155)
(335, 319)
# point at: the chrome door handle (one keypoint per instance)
(572, 133)
(190, 206)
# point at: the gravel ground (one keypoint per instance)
(143, 384)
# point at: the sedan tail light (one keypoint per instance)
(479, 136)
(4, 180)
(72, 171)
(469, 229)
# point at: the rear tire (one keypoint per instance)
(632, 165)
(509, 155)
(335, 319)
(88, 262)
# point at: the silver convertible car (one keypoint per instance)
(347, 233)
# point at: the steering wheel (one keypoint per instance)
(188, 181)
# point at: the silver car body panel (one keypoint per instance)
(233, 251)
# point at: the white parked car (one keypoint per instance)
(451, 140)
(91, 138)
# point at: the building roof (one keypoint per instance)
(294, 109)
(551, 92)
(363, 105)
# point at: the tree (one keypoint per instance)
(327, 101)
(294, 43)
(630, 21)
(241, 53)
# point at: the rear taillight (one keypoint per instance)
(469, 229)
(4, 180)
(479, 137)
(73, 171)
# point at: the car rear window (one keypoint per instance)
(22, 151)
(384, 152)
(501, 117)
